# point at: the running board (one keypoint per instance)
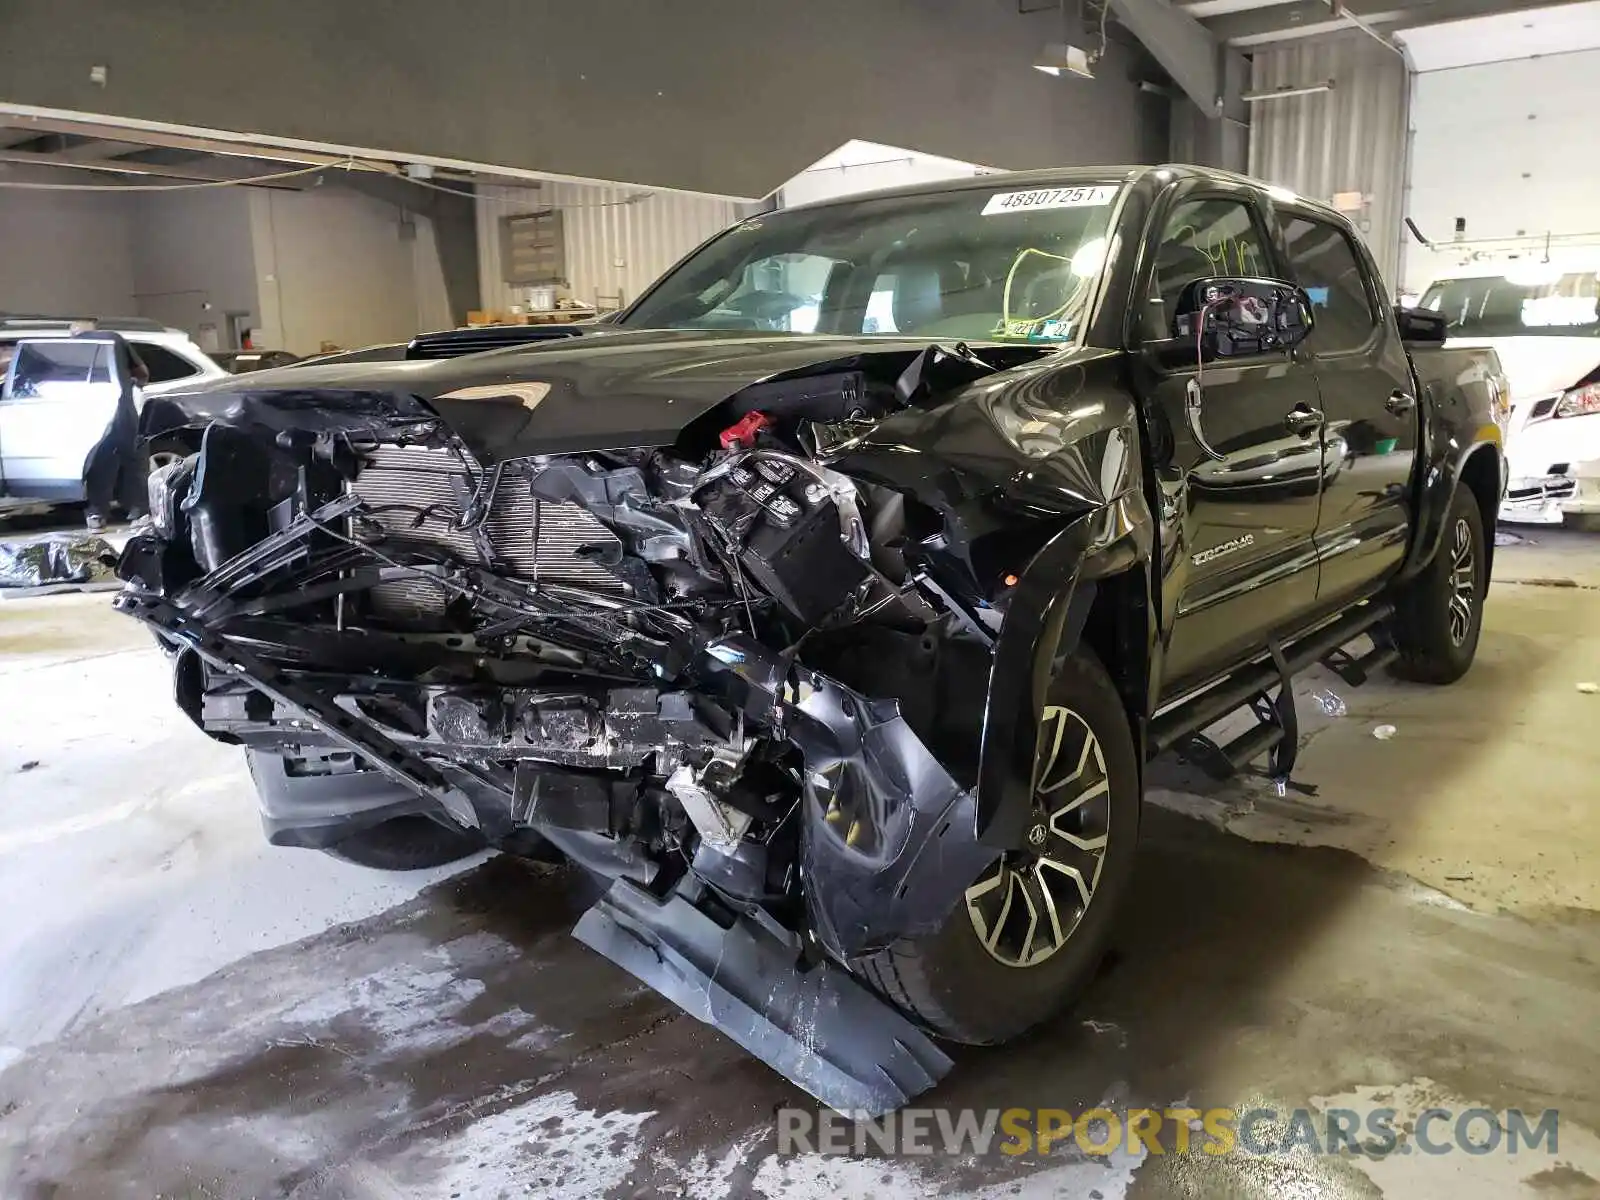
(1276, 731)
(819, 1028)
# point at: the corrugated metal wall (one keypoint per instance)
(1350, 139)
(613, 248)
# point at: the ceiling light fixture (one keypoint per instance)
(1309, 89)
(1063, 57)
(1058, 57)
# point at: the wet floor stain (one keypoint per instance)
(463, 1045)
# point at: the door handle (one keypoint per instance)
(1303, 420)
(1399, 403)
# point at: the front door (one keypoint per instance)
(60, 395)
(1238, 530)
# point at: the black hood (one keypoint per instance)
(607, 390)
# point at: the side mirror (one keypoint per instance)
(1229, 318)
(1421, 326)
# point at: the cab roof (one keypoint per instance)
(1074, 176)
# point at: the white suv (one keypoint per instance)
(53, 415)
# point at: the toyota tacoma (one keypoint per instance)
(826, 605)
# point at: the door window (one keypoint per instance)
(44, 370)
(1326, 265)
(164, 366)
(1202, 238)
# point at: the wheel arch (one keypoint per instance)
(1480, 470)
(1481, 474)
(1089, 585)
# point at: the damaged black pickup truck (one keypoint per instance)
(826, 605)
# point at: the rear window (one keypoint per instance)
(1540, 300)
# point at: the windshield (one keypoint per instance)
(973, 263)
(1535, 300)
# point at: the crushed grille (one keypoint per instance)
(531, 539)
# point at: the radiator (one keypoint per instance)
(531, 539)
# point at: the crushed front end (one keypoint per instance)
(742, 688)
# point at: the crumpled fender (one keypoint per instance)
(1043, 624)
(1050, 458)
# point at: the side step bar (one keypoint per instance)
(819, 1028)
(1250, 686)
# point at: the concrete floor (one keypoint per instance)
(186, 1012)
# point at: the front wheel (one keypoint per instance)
(1030, 932)
(1439, 613)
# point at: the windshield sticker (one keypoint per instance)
(1069, 197)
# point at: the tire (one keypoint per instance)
(1439, 613)
(951, 981)
(404, 844)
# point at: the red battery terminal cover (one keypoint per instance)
(741, 435)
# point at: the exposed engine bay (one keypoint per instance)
(739, 681)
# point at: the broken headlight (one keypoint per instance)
(1579, 402)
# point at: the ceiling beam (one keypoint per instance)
(189, 171)
(103, 148)
(30, 127)
(1186, 49)
(1305, 18)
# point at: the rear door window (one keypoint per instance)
(164, 365)
(1327, 266)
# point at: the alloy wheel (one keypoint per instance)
(1026, 907)
(1463, 581)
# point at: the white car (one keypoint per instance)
(1543, 320)
(59, 396)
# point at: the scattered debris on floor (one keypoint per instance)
(1503, 537)
(1384, 732)
(31, 765)
(1330, 702)
(1589, 689)
(51, 562)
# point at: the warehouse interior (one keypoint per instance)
(1344, 905)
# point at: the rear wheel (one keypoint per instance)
(1439, 612)
(1030, 932)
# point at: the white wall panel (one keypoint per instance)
(1350, 139)
(192, 249)
(332, 267)
(65, 253)
(615, 246)
(1509, 147)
